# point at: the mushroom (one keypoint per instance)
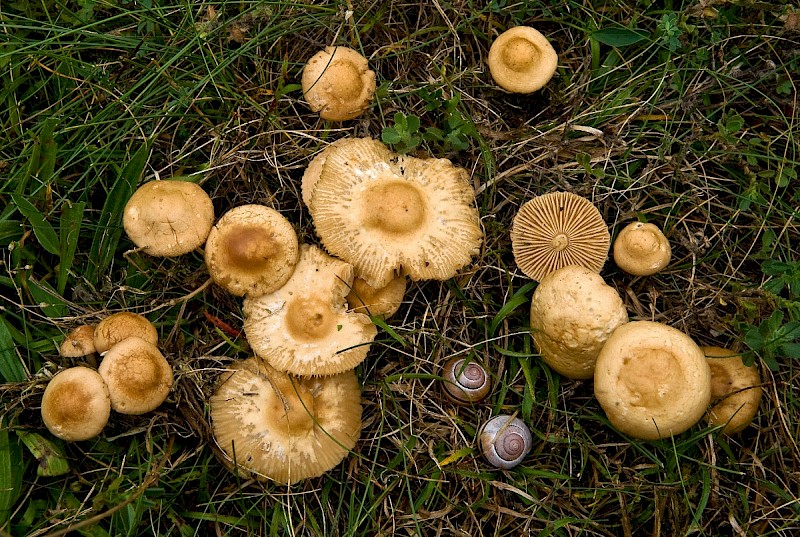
(76, 404)
(382, 302)
(314, 170)
(304, 327)
(505, 441)
(168, 217)
(390, 215)
(641, 249)
(137, 375)
(79, 342)
(251, 250)
(558, 229)
(522, 60)
(465, 381)
(122, 325)
(735, 390)
(283, 428)
(652, 380)
(573, 313)
(338, 83)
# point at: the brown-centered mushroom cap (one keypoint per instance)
(137, 375)
(251, 250)
(79, 342)
(304, 327)
(382, 302)
(168, 217)
(556, 230)
(652, 380)
(122, 325)
(338, 83)
(76, 404)
(390, 215)
(641, 249)
(522, 60)
(279, 427)
(735, 390)
(573, 313)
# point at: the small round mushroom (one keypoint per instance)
(735, 390)
(505, 441)
(122, 325)
(252, 250)
(76, 404)
(641, 249)
(79, 342)
(465, 381)
(652, 380)
(338, 83)
(522, 60)
(168, 217)
(383, 302)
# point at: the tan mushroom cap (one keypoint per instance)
(169, 217)
(382, 302)
(314, 170)
(304, 327)
(736, 386)
(251, 250)
(137, 375)
(79, 342)
(390, 215)
(652, 380)
(122, 325)
(76, 404)
(641, 249)
(573, 313)
(338, 83)
(278, 427)
(522, 60)
(556, 230)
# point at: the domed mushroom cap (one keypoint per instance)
(556, 230)
(122, 325)
(641, 249)
(573, 313)
(389, 214)
(169, 217)
(652, 380)
(304, 327)
(735, 386)
(251, 250)
(76, 404)
(338, 83)
(79, 342)
(382, 302)
(283, 428)
(137, 375)
(522, 60)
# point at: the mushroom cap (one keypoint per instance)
(641, 249)
(122, 325)
(79, 342)
(338, 83)
(284, 428)
(314, 170)
(652, 380)
(382, 302)
(389, 214)
(736, 387)
(573, 313)
(76, 404)
(137, 375)
(304, 327)
(522, 60)
(251, 250)
(558, 229)
(168, 217)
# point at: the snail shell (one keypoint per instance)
(465, 382)
(505, 441)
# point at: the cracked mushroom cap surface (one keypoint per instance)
(275, 426)
(338, 83)
(652, 380)
(522, 60)
(390, 215)
(641, 249)
(304, 327)
(122, 325)
(556, 230)
(76, 404)
(79, 342)
(573, 313)
(252, 250)
(735, 390)
(169, 217)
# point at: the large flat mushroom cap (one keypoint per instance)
(279, 427)
(338, 83)
(522, 60)
(735, 390)
(76, 404)
(390, 215)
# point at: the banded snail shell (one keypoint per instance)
(465, 382)
(505, 441)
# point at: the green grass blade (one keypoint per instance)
(11, 468)
(44, 232)
(519, 298)
(10, 367)
(69, 230)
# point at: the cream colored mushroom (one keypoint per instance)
(338, 83)
(382, 302)
(641, 249)
(122, 325)
(137, 375)
(314, 170)
(735, 390)
(522, 60)
(76, 404)
(79, 342)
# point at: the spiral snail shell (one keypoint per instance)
(465, 382)
(505, 441)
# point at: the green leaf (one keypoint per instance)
(390, 136)
(412, 123)
(52, 461)
(50, 302)
(10, 366)
(10, 230)
(620, 37)
(69, 229)
(11, 469)
(519, 298)
(792, 350)
(44, 232)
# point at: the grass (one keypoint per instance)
(684, 114)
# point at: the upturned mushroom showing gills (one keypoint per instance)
(390, 214)
(522, 60)
(338, 83)
(641, 249)
(76, 404)
(274, 426)
(304, 327)
(735, 390)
